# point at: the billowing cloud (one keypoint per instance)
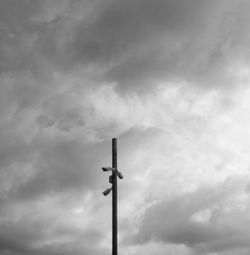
(210, 219)
(170, 79)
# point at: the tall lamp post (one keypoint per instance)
(113, 181)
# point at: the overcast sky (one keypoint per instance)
(170, 79)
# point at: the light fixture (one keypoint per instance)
(120, 175)
(106, 169)
(107, 191)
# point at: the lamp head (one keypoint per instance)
(120, 175)
(106, 169)
(107, 191)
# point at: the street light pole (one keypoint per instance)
(113, 180)
(114, 197)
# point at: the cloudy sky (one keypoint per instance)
(170, 79)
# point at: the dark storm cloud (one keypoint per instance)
(142, 41)
(132, 43)
(57, 61)
(199, 220)
(17, 237)
(25, 237)
(17, 34)
(31, 34)
(122, 25)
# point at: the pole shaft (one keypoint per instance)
(114, 198)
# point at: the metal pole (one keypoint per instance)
(114, 197)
